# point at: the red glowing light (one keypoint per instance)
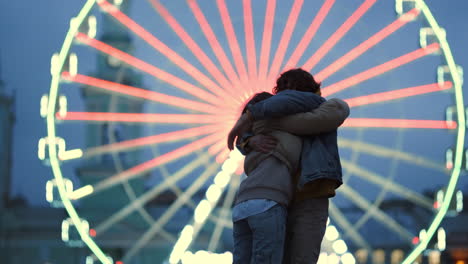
(402, 93)
(213, 41)
(150, 140)
(415, 240)
(310, 33)
(398, 123)
(382, 68)
(221, 157)
(436, 205)
(232, 40)
(141, 118)
(285, 38)
(142, 93)
(150, 69)
(266, 39)
(169, 53)
(159, 160)
(92, 232)
(366, 45)
(192, 45)
(339, 33)
(119, 262)
(250, 40)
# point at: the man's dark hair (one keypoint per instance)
(296, 79)
(256, 98)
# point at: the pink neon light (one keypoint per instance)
(159, 160)
(339, 33)
(92, 232)
(399, 123)
(250, 40)
(142, 93)
(415, 240)
(132, 144)
(141, 118)
(221, 157)
(309, 35)
(150, 69)
(216, 148)
(266, 39)
(164, 49)
(232, 39)
(285, 38)
(240, 169)
(382, 68)
(364, 46)
(192, 45)
(214, 43)
(402, 93)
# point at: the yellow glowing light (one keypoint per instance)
(92, 26)
(70, 154)
(73, 64)
(202, 211)
(81, 192)
(331, 233)
(339, 246)
(44, 105)
(54, 63)
(221, 179)
(348, 258)
(213, 193)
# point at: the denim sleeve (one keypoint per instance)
(285, 103)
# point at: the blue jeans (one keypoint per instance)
(260, 238)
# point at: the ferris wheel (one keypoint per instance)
(145, 132)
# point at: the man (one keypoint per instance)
(320, 174)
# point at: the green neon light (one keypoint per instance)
(460, 133)
(51, 131)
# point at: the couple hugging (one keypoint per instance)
(292, 166)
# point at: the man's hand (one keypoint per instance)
(262, 143)
(243, 125)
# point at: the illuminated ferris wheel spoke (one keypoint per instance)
(380, 69)
(285, 39)
(339, 33)
(399, 123)
(367, 44)
(216, 148)
(309, 34)
(266, 41)
(221, 157)
(380, 151)
(250, 40)
(232, 40)
(150, 69)
(133, 144)
(397, 94)
(118, 88)
(213, 41)
(170, 212)
(141, 118)
(144, 167)
(152, 193)
(163, 48)
(376, 213)
(194, 47)
(224, 213)
(340, 219)
(387, 184)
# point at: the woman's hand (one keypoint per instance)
(243, 125)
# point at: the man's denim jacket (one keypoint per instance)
(319, 158)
